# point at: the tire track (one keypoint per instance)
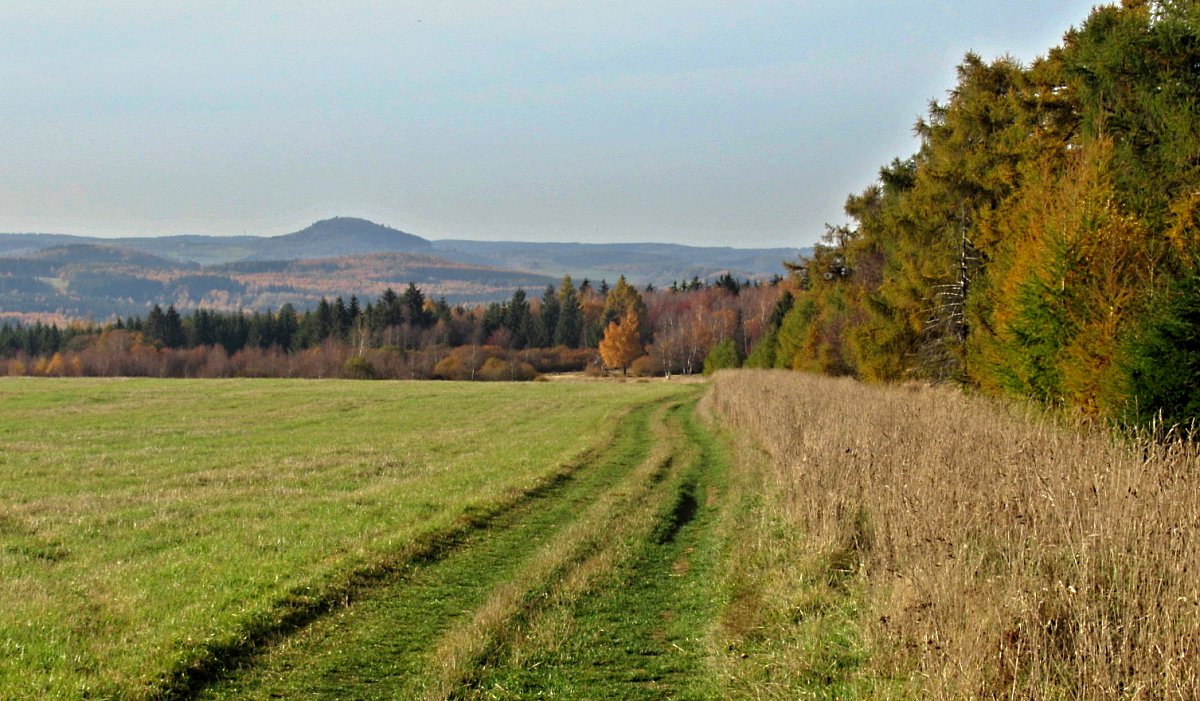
(643, 630)
(392, 643)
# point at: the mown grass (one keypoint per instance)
(150, 529)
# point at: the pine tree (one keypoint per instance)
(341, 318)
(286, 327)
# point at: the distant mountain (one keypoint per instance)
(79, 276)
(641, 263)
(303, 282)
(330, 238)
(203, 250)
(340, 236)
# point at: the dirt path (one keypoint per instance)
(643, 632)
(599, 586)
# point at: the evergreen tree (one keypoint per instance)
(549, 316)
(341, 319)
(286, 327)
(441, 310)
(727, 282)
(326, 321)
(171, 332)
(390, 310)
(153, 326)
(201, 328)
(493, 319)
(1164, 359)
(413, 303)
(518, 320)
(568, 331)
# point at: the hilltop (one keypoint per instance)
(81, 276)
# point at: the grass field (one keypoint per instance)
(916, 542)
(151, 530)
(770, 535)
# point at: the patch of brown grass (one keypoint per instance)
(1001, 553)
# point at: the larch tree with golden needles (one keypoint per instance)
(621, 344)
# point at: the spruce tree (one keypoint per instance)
(569, 329)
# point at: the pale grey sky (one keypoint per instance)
(710, 123)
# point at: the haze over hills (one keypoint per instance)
(641, 263)
(80, 276)
(99, 282)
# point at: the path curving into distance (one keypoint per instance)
(602, 585)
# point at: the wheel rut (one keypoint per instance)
(643, 630)
(433, 628)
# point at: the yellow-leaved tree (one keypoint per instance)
(621, 344)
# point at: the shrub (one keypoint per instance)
(358, 368)
(722, 356)
(499, 370)
(646, 366)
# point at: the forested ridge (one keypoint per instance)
(1041, 242)
(685, 328)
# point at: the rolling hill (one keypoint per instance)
(88, 277)
(641, 263)
(65, 282)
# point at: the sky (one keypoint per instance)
(706, 123)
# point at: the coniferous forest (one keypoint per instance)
(409, 336)
(1044, 239)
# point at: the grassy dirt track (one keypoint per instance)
(572, 594)
(153, 533)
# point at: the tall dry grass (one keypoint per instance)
(1002, 553)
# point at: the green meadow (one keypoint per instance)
(764, 535)
(154, 534)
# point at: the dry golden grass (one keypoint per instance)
(996, 553)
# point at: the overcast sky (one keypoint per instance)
(711, 123)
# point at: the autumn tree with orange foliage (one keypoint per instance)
(622, 344)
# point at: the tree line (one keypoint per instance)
(408, 335)
(1041, 242)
